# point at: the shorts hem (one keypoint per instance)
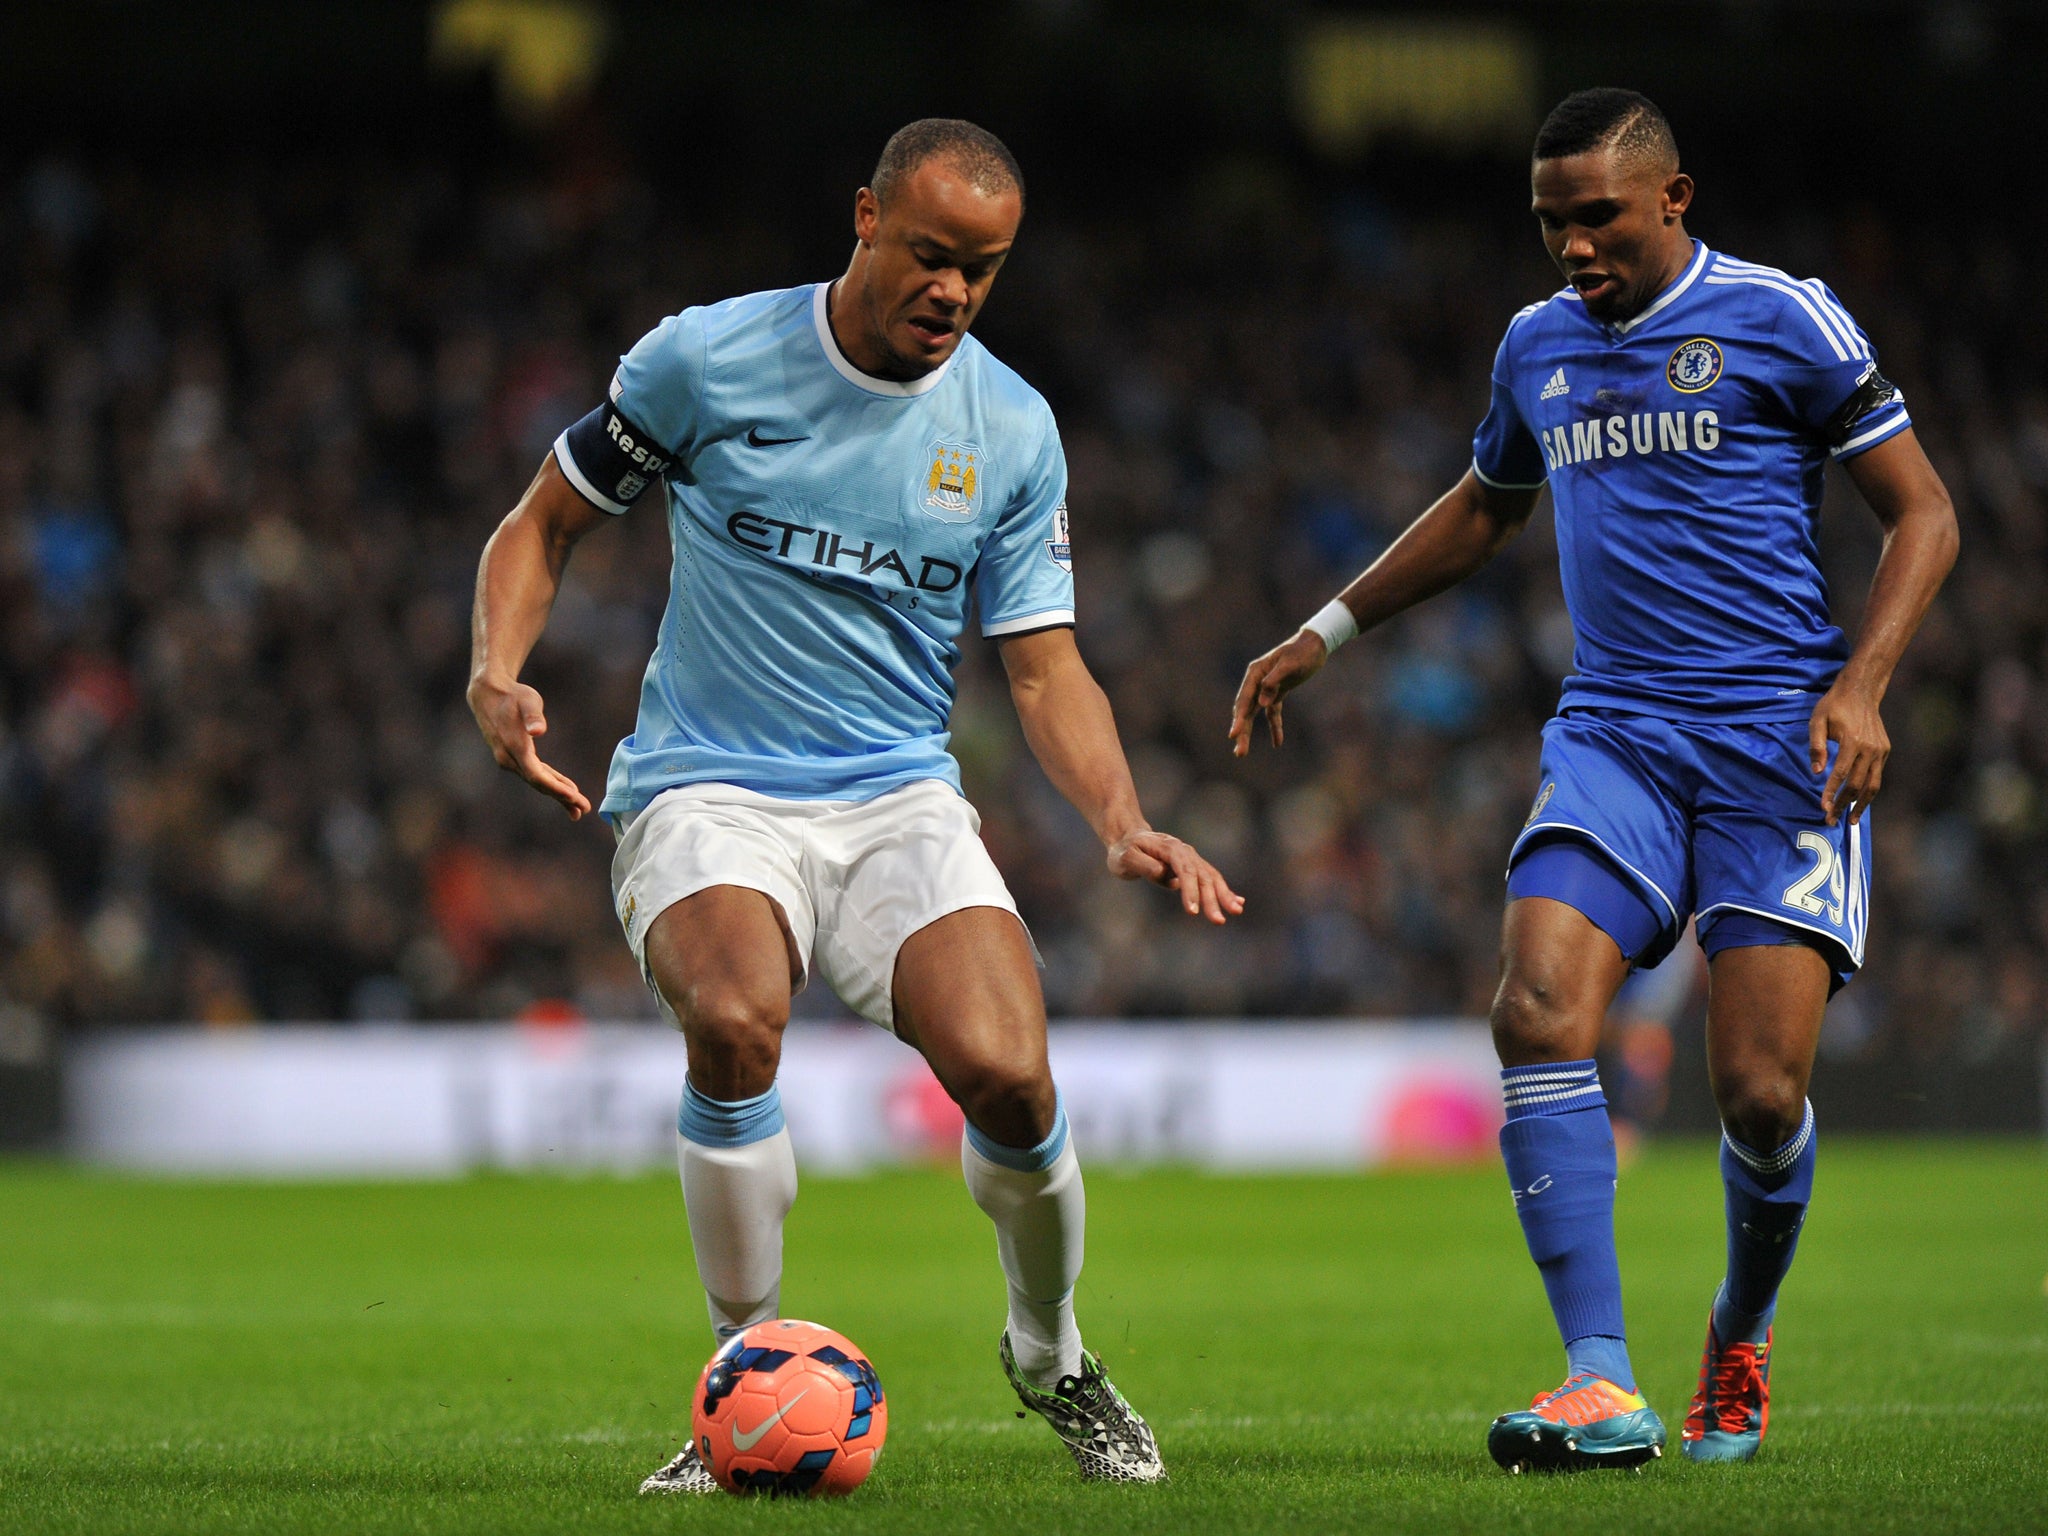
(1594, 838)
(684, 893)
(1855, 961)
(945, 908)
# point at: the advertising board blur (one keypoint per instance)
(435, 1101)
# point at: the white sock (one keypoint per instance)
(1041, 1218)
(736, 1198)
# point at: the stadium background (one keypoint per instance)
(295, 299)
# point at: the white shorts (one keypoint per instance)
(855, 878)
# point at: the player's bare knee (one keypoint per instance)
(735, 1039)
(1762, 1108)
(1532, 1021)
(1009, 1097)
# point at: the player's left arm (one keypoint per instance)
(1068, 723)
(1920, 542)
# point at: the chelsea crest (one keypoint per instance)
(1694, 366)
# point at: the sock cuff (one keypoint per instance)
(1025, 1159)
(713, 1122)
(1770, 1163)
(1551, 1088)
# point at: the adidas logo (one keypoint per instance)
(1555, 387)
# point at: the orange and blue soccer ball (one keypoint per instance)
(789, 1408)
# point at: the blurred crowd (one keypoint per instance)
(256, 422)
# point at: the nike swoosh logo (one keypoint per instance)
(747, 1439)
(756, 440)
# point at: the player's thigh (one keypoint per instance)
(708, 891)
(1608, 815)
(1558, 974)
(918, 932)
(967, 996)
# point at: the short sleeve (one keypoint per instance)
(1505, 453)
(649, 421)
(1825, 375)
(1025, 577)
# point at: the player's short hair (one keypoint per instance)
(973, 151)
(1606, 117)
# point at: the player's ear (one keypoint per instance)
(867, 213)
(1677, 195)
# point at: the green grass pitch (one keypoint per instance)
(1318, 1354)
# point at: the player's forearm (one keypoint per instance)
(1450, 541)
(518, 579)
(1919, 550)
(516, 585)
(1072, 732)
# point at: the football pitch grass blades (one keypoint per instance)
(510, 1355)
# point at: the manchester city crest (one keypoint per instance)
(951, 490)
(1694, 366)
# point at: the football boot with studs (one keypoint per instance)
(1110, 1442)
(1587, 1422)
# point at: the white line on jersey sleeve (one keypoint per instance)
(1045, 618)
(1830, 313)
(1799, 297)
(1829, 305)
(1876, 434)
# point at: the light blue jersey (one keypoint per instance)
(828, 528)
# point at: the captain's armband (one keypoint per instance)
(609, 460)
(1873, 393)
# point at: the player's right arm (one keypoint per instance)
(1454, 538)
(516, 583)
(599, 467)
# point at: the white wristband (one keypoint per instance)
(1333, 624)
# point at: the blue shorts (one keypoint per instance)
(1721, 823)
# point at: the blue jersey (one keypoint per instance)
(829, 528)
(1685, 450)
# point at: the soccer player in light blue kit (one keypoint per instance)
(846, 471)
(1717, 744)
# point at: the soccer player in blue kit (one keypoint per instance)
(845, 468)
(1715, 748)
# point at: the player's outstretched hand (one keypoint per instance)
(1847, 714)
(1166, 860)
(1269, 680)
(512, 719)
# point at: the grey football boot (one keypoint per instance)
(1111, 1443)
(686, 1474)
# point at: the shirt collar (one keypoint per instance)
(1670, 295)
(821, 320)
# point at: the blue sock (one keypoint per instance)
(1767, 1199)
(1559, 1150)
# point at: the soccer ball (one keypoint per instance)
(789, 1408)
